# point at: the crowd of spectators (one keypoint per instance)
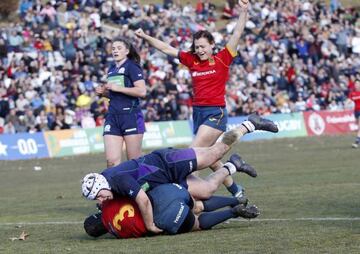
(295, 56)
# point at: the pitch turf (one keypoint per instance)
(307, 191)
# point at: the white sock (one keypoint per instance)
(248, 125)
(230, 167)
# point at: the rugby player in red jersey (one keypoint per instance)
(174, 211)
(120, 217)
(355, 96)
(210, 73)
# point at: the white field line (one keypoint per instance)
(237, 219)
(303, 219)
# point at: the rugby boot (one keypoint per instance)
(262, 123)
(241, 165)
(247, 212)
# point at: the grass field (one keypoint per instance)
(307, 191)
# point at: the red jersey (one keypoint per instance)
(209, 77)
(122, 218)
(355, 96)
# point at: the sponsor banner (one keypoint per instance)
(290, 125)
(95, 138)
(67, 142)
(330, 122)
(166, 134)
(23, 146)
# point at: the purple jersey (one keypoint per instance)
(124, 76)
(159, 167)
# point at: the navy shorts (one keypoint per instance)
(124, 124)
(172, 166)
(171, 205)
(357, 114)
(215, 117)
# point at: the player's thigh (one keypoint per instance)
(113, 147)
(197, 187)
(208, 156)
(206, 136)
(133, 145)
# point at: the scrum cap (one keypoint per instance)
(92, 184)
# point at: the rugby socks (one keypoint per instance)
(230, 167)
(216, 202)
(233, 189)
(248, 125)
(209, 219)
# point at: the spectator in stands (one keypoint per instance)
(49, 15)
(125, 85)
(41, 121)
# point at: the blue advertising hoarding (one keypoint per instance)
(22, 146)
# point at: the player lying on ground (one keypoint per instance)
(174, 211)
(134, 177)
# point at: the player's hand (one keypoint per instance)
(244, 4)
(154, 229)
(140, 33)
(109, 86)
(100, 90)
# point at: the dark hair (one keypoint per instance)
(133, 54)
(93, 225)
(202, 34)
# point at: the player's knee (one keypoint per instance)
(111, 162)
(210, 190)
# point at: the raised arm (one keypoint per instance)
(160, 45)
(239, 27)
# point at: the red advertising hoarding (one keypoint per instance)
(329, 122)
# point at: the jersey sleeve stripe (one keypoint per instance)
(233, 54)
